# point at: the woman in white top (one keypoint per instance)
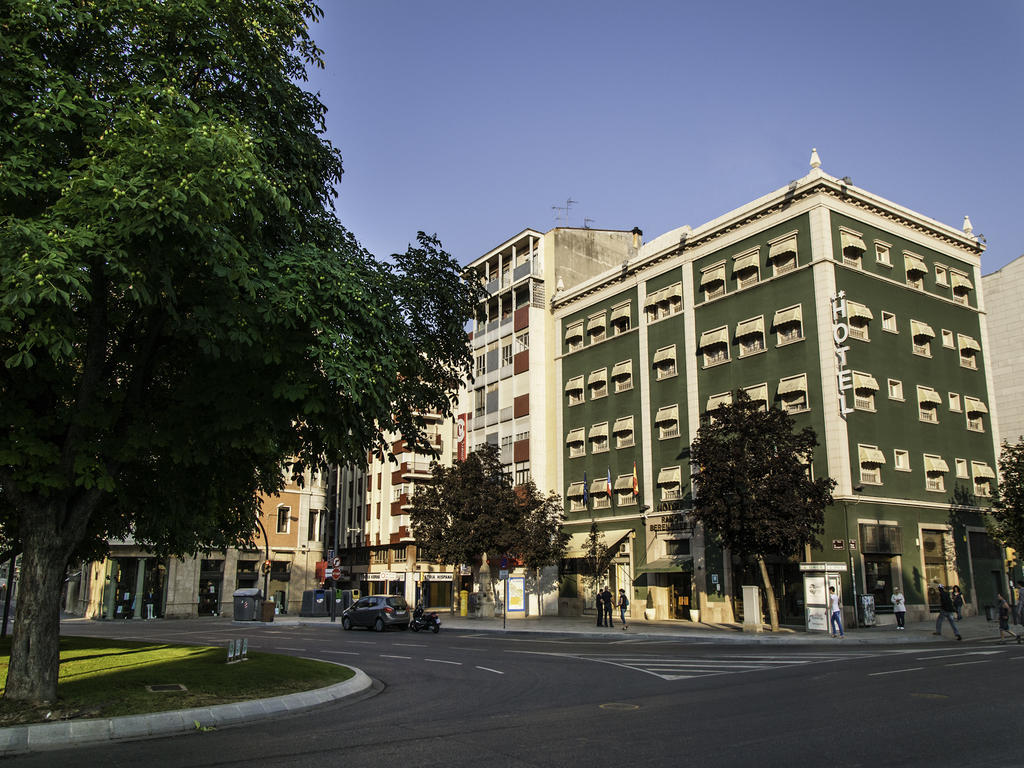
(899, 607)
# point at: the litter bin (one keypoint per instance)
(314, 603)
(247, 603)
(268, 611)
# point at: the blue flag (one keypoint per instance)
(586, 490)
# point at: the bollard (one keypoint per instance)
(231, 651)
(245, 648)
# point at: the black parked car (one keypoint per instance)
(377, 611)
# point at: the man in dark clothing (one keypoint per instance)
(946, 611)
(599, 604)
(606, 601)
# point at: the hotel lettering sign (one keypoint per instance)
(673, 523)
(840, 335)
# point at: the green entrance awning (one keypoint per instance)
(668, 565)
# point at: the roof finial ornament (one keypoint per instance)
(968, 227)
(815, 160)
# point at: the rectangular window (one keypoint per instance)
(599, 438)
(947, 339)
(928, 405)
(882, 255)
(506, 354)
(522, 472)
(596, 328)
(670, 482)
(871, 461)
(916, 269)
(574, 390)
(864, 399)
(935, 470)
(962, 286)
(522, 341)
(622, 375)
(969, 350)
(574, 337)
(901, 460)
(667, 422)
(399, 554)
(782, 253)
(922, 335)
(793, 393)
(895, 389)
(665, 362)
(620, 318)
(597, 382)
(954, 402)
(750, 336)
(623, 431)
(961, 467)
(481, 363)
(314, 530)
(941, 275)
(975, 421)
(889, 322)
(283, 518)
(788, 324)
(712, 282)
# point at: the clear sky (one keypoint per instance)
(472, 120)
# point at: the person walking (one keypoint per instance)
(1020, 602)
(623, 605)
(899, 607)
(836, 612)
(958, 602)
(1004, 619)
(599, 604)
(946, 611)
(606, 599)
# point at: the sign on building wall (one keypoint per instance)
(840, 335)
(460, 435)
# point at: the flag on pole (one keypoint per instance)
(636, 482)
(586, 491)
(608, 483)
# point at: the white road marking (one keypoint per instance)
(344, 653)
(957, 655)
(488, 669)
(412, 645)
(442, 661)
(286, 648)
(392, 656)
(961, 663)
(894, 671)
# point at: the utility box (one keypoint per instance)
(247, 604)
(314, 603)
(752, 621)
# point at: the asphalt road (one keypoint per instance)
(470, 699)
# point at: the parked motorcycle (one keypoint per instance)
(422, 620)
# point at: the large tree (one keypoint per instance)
(180, 309)
(753, 490)
(1006, 522)
(471, 513)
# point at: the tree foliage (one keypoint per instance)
(752, 489)
(1006, 522)
(470, 510)
(597, 558)
(180, 308)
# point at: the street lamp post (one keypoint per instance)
(849, 550)
(266, 562)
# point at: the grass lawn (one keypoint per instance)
(108, 678)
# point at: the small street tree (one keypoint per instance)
(752, 487)
(470, 512)
(181, 311)
(597, 558)
(1006, 522)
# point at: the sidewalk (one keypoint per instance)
(972, 628)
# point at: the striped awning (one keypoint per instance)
(670, 476)
(577, 435)
(574, 384)
(623, 424)
(713, 275)
(748, 327)
(599, 487)
(961, 282)
(625, 368)
(665, 353)
(917, 328)
(935, 464)
(717, 401)
(851, 240)
(623, 483)
(914, 263)
(786, 245)
(595, 323)
(794, 384)
(759, 393)
(974, 405)
(864, 381)
(982, 469)
(574, 331)
(853, 309)
(575, 491)
(620, 312)
(667, 414)
(674, 291)
(790, 315)
(868, 454)
(599, 430)
(654, 298)
(966, 342)
(598, 377)
(928, 395)
(710, 338)
(746, 261)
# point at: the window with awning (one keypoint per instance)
(575, 384)
(599, 487)
(851, 240)
(665, 355)
(652, 299)
(712, 275)
(981, 469)
(674, 292)
(966, 342)
(623, 483)
(928, 395)
(935, 464)
(667, 414)
(745, 261)
(623, 369)
(864, 381)
(711, 338)
(917, 328)
(596, 324)
(793, 384)
(620, 312)
(750, 327)
(960, 282)
(623, 424)
(598, 378)
(575, 491)
(788, 315)
(670, 476)
(573, 332)
(782, 247)
(870, 454)
(577, 435)
(717, 401)
(974, 405)
(855, 310)
(914, 263)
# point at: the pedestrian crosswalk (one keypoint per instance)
(684, 668)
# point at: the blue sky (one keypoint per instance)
(472, 120)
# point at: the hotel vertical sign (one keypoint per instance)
(840, 336)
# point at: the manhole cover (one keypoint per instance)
(166, 688)
(619, 706)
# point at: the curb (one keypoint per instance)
(40, 737)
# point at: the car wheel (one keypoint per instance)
(346, 622)
(378, 625)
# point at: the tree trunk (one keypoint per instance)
(773, 609)
(35, 643)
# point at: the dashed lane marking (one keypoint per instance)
(342, 653)
(488, 669)
(894, 671)
(286, 648)
(442, 661)
(392, 656)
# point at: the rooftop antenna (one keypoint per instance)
(569, 202)
(587, 221)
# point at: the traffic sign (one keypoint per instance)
(336, 562)
(503, 574)
(504, 563)
(336, 574)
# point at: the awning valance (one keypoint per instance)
(982, 470)
(790, 315)
(870, 455)
(598, 377)
(961, 282)
(579, 543)
(793, 384)
(599, 486)
(665, 353)
(623, 424)
(574, 331)
(623, 483)
(625, 368)
(974, 405)
(966, 342)
(713, 275)
(935, 464)
(620, 312)
(917, 328)
(914, 263)
(599, 430)
(787, 245)
(748, 327)
(673, 564)
(575, 491)
(746, 261)
(853, 309)
(674, 291)
(575, 384)
(595, 323)
(717, 401)
(670, 476)
(864, 381)
(852, 240)
(758, 394)
(577, 435)
(928, 395)
(710, 338)
(667, 414)
(652, 299)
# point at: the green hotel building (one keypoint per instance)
(862, 319)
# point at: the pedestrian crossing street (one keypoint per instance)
(683, 668)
